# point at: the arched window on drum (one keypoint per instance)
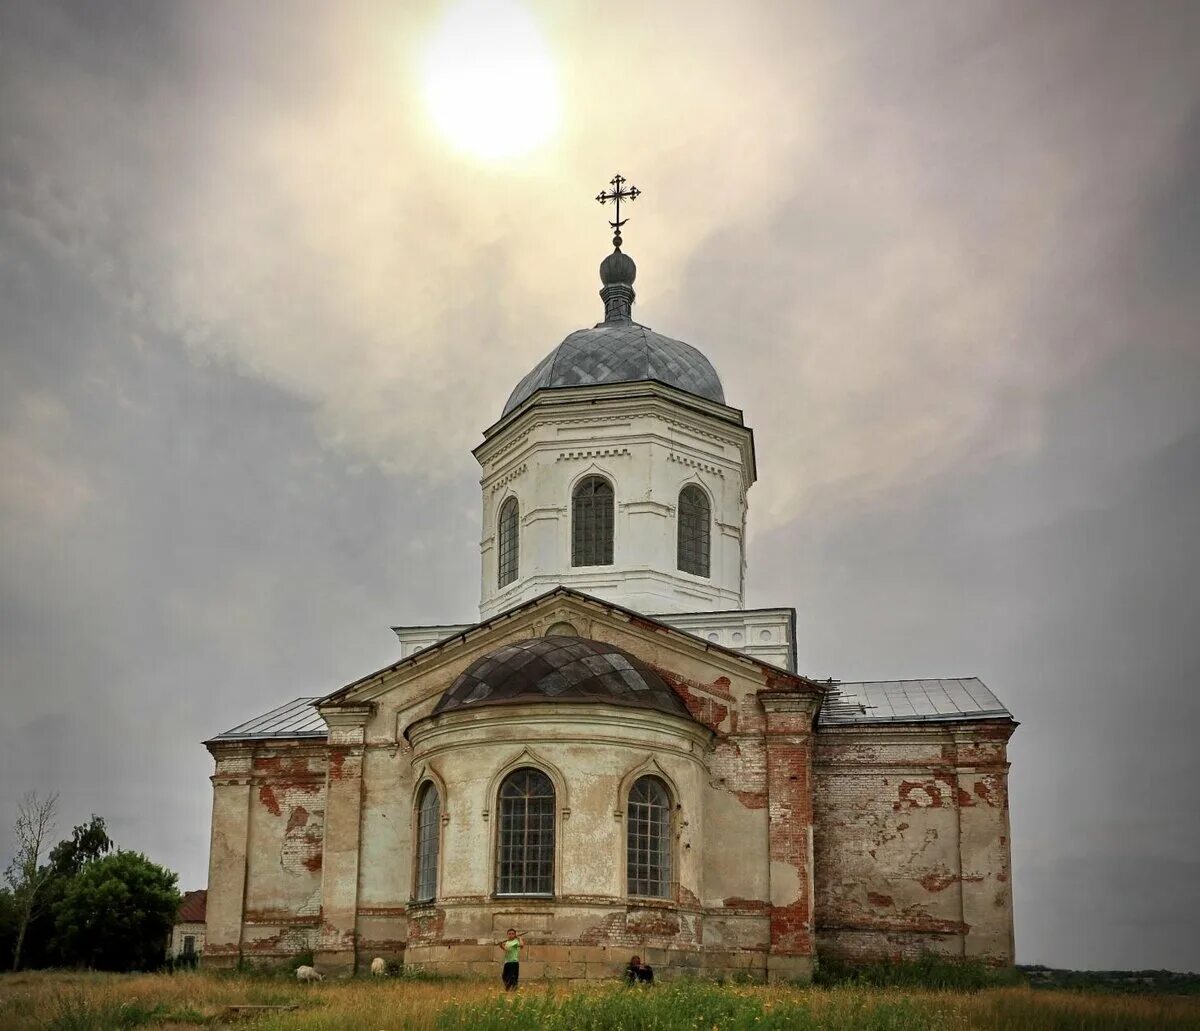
(508, 542)
(695, 523)
(592, 523)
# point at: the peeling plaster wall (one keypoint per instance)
(911, 841)
(720, 690)
(385, 868)
(722, 908)
(870, 841)
(267, 849)
(592, 753)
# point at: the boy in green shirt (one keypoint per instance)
(512, 947)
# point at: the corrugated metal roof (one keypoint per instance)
(297, 718)
(908, 701)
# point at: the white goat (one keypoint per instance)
(308, 974)
(378, 967)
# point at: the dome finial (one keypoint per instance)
(616, 195)
(617, 271)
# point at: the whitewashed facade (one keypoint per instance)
(615, 671)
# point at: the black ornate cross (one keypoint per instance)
(618, 194)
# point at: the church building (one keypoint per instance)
(619, 757)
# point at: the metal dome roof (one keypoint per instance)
(566, 669)
(621, 352)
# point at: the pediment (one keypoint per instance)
(691, 665)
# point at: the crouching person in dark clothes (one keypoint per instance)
(638, 972)
(512, 946)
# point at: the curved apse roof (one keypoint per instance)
(620, 352)
(560, 669)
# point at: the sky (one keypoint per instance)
(257, 305)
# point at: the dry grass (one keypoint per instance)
(82, 1002)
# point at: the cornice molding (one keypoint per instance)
(620, 403)
(600, 452)
(694, 463)
(508, 477)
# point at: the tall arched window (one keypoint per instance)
(509, 542)
(525, 842)
(648, 846)
(429, 819)
(592, 523)
(695, 518)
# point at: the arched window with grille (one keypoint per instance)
(525, 842)
(429, 821)
(648, 839)
(509, 542)
(592, 523)
(695, 520)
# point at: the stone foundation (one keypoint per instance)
(870, 946)
(588, 962)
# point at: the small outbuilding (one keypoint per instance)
(186, 941)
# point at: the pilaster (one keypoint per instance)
(337, 937)
(983, 842)
(788, 734)
(227, 856)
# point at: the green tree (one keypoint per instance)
(26, 875)
(87, 843)
(116, 913)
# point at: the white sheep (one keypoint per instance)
(378, 967)
(309, 974)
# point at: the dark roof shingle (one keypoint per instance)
(193, 908)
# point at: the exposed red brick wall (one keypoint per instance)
(910, 842)
(790, 820)
(286, 835)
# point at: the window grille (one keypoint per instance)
(592, 523)
(694, 523)
(525, 849)
(189, 945)
(648, 822)
(429, 820)
(510, 543)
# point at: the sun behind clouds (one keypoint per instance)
(489, 81)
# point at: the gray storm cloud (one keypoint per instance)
(255, 314)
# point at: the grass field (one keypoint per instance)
(91, 1002)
